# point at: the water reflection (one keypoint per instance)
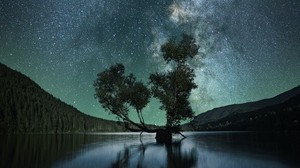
(175, 156)
(41, 150)
(126, 150)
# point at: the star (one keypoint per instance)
(249, 50)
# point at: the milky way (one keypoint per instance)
(249, 49)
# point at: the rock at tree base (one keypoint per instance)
(164, 136)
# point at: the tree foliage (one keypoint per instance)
(173, 88)
(180, 52)
(109, 86)
(117, 92)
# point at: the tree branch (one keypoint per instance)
(181, 134)
(142, 128)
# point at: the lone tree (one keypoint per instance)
(118, 92)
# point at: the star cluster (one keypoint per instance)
(249, 49)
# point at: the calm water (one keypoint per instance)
(221, 149)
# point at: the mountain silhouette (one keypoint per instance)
(281, 112)
(26, 108)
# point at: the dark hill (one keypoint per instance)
(279, 113)
(26, 108)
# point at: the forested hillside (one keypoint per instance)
(284, 116)
(26, 107)
(281, 117)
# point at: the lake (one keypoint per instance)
(105, 150)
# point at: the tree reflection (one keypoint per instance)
(176, 156)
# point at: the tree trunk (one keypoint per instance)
(164, 136)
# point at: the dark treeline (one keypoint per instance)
(280, 117)
(26, 108)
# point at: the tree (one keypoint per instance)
(118, 92)
(173, 88)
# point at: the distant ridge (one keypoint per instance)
(277, 105)
(26, 108)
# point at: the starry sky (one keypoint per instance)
(249, 49)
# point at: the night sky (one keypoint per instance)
(249, 49)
